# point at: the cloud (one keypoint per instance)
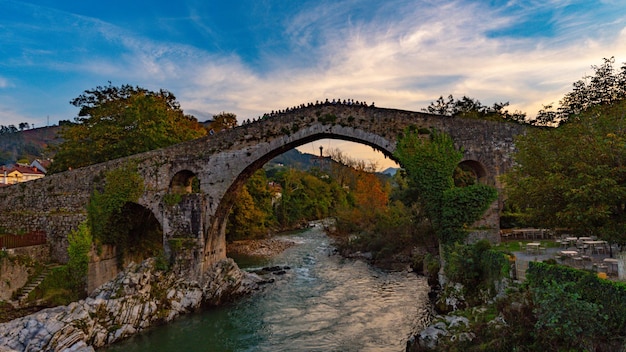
(397, 53)
(385, 61)
(4, 83)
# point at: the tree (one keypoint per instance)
(472, 108)
(574, 176)
(604, 87)
(223, 121)
(430, 161)
(246, 220)
(114, 122)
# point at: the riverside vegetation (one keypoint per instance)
(557, 183)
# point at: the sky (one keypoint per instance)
(250, 57)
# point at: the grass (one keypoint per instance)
(56, 289)
(514, 245)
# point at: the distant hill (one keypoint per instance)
(294, 158)
(391, 171)
(305, 161)
(28, 144)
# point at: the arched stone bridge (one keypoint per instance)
(222, 163)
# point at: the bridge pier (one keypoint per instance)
(183, 232)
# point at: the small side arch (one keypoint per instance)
(471, 171)
(184, 182)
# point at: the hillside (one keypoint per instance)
(28, 144)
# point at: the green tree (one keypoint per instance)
(574, 176)
(604, 87)
(79, 244)
(472, 108)
(258, 188)
(304, 197)
(430, 161)
(114, 122)
(559, 308)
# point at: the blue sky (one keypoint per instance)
(254, 56)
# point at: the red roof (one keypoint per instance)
(23, 169)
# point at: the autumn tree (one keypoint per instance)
(114, 122)
(223, 121)
(246, 219)
(252, 215)
(345, 169)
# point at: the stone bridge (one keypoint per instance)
(223, 162)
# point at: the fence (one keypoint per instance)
(29, 239)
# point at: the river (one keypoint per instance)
(323, 303)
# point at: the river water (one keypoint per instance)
(323, 303)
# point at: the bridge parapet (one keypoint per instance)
(222, 163)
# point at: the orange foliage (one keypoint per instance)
(370, 194)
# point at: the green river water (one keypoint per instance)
(323, 303)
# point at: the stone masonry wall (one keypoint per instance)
(56, 204)
(17, 265)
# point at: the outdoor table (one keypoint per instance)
(528, 233)
(585, 238)
(594, 245)
(611, 262)
(571, 240)
(532, 247)
(570, 256)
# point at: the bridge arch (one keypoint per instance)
(227, 202)
(221, 162)
(262, 154)
(477, 169)
(182, 182)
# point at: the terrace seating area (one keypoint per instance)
(586, 253)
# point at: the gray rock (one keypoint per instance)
(104, 317)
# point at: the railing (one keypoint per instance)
(30, 239)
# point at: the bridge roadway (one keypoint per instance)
(223, 162)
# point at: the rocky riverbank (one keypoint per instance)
(266, 247)
(139, 297)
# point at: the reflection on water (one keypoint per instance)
(324, 303)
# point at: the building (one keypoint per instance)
(17, 173)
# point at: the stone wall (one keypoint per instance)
(102, 266)
(17, 265)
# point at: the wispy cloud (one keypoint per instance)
(398, 53)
